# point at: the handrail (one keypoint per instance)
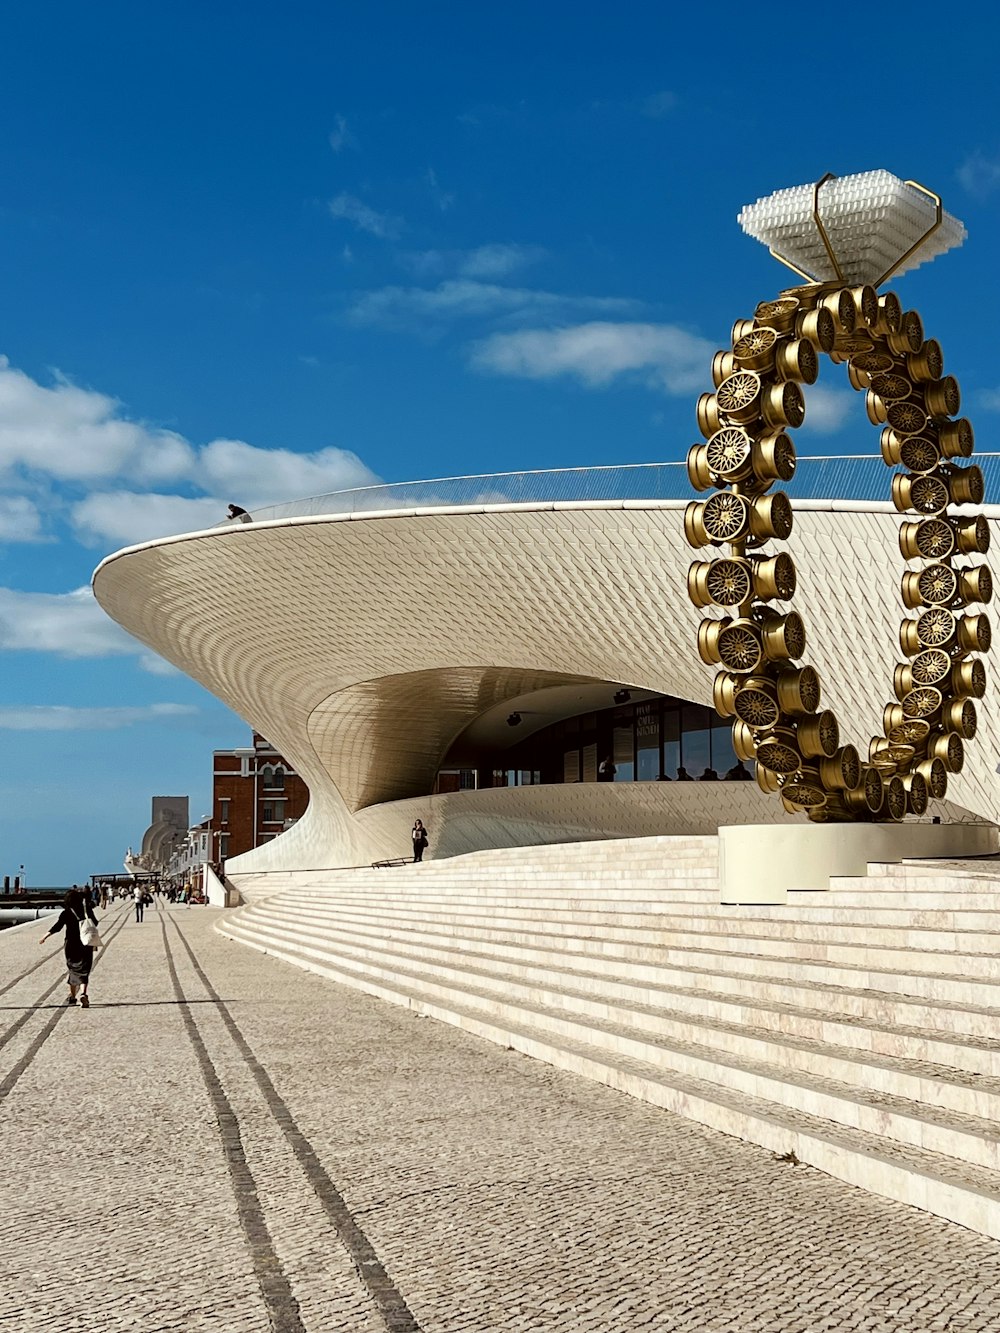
(818, 477)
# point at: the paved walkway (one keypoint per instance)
(225, 1143)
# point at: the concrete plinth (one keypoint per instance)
(759, 863)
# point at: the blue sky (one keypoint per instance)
(251, 252)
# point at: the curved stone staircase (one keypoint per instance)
(858, 1028)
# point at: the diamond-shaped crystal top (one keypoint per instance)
(871, 219)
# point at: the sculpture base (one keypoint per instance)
(759, 863)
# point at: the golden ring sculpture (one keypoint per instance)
(759, 641)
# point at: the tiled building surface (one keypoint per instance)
(398, 630)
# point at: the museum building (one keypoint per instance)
(513, 672)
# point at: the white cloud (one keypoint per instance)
(341, 137)
(464, 298)
(70, 624)
(126, 518)
(989, 400)
(237, 473)
(57, 717)
(81, 438)
(20, 520)
(979, 174)
(661, 355)
(77, 434)
(356, 211)
(827, 409)
(251, 477)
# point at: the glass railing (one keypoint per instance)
(860, 477)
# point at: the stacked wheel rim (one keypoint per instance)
(763, 683)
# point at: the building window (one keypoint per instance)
(647, 740)
(224, 810)
(273, 812)
(223, 846)
(274, 778)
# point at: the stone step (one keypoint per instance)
(922, 883)
(641, 909)
(963, 1190)
(913, 900)
(538, 898)
(646, 985)
(730, 928)
(920, 1055)
(912, 979)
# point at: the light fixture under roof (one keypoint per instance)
(853, 229)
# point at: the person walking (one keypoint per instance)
(419, 835)
(139, 898)
(79, 956)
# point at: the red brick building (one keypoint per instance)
(256, 794)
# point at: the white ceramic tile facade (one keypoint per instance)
(361, 646)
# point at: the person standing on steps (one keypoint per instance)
(79, 956)
(139, 898)
(419, 835)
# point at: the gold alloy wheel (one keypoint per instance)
(774, 698)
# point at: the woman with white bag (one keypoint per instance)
(77, 916)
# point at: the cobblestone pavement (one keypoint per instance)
(225, 1143)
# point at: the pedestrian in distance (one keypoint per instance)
(77, 919)
(606, 769)
(237, 514)
(139, 898)
(419, 835)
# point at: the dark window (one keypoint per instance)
(647, 740)
(696, 741)
(671, 742)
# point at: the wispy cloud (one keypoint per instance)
(57, 717)
(989, 400)
(350, 208)
(658, 105)
(660, 355)
(485, 261)
(443, 198)
(341, 137)
(979, 174)
(465, 298)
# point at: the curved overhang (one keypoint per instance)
(361, 645)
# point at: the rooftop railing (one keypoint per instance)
(860, 477)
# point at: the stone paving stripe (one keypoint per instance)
(8, 1083)
(392, 1307)
(35, 966)
(282, 1307)
(27, 973)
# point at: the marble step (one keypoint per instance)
(855, 1117)
(647, 985)
(813, 939)
(913, 900)
(810, 1033)
(915, 979)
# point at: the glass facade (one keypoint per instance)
(655, 740)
